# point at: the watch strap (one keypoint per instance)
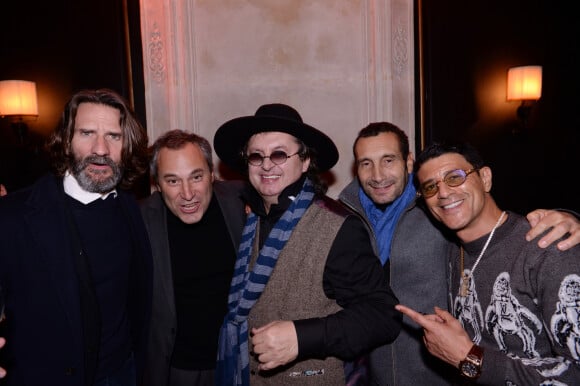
(471, 366)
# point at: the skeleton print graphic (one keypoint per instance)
(468, 309)
(506, 316)
(527, 309)
(565, 323)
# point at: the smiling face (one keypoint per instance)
(468, 208)
(96, 146)
(270, 179)
(381, 169)
(185, 182)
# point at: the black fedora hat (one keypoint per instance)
(232, 136)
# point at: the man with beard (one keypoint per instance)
(75, 262)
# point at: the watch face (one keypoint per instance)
(469, 370)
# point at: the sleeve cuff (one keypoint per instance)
(310, 334)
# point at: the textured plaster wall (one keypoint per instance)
(340, 63)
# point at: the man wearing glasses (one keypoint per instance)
(412, 248)
(308, 292)
(515, 304)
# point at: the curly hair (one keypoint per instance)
(134, 158)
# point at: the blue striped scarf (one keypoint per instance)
(247, 286)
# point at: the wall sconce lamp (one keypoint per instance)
(17, 101)
(524, 84)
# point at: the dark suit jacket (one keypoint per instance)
(43, 319)
(164, 320)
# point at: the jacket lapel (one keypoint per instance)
(48, 230)
(155, 217)
(228, 194)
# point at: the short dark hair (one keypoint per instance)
(437, 149)
(134, 152)
(375, 128)
(177, 139)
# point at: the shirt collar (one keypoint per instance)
(73, 189)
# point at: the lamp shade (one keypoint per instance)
(18, 97)
(524, 83)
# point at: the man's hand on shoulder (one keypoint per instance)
(562, 223)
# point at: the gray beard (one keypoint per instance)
(96, 186)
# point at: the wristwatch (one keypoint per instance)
(470, 367)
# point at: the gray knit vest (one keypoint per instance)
(294, 291)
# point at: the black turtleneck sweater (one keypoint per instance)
(202, 257)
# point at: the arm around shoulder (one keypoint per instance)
(560, 225)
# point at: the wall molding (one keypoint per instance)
(350, 63)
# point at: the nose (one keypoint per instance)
(267, 164)
(376, 173)
(443, 189)
(100, 145)
(186, 192)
